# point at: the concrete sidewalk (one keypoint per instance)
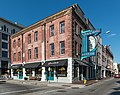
(41, 83)
(27, 82)
(54, 84)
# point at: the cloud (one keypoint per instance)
(111, 35)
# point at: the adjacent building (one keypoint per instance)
(7, 28)
(109, 59)
(115, 68)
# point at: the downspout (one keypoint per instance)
(44, 40)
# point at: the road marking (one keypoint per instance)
(20, 91)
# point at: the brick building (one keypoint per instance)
(109, 59)
(51, 48)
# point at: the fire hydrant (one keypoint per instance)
(84, 81)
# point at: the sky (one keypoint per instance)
(104, 14)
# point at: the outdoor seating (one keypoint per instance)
(32, 78)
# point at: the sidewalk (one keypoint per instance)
(79, 84)
(28, 82)
(45, 83)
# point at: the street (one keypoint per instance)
(105, 87)
(18, 89)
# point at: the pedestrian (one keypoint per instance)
(6, 75)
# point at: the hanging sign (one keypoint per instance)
(89, 43)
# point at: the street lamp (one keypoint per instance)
(107, 32)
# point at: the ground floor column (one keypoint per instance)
(82, 74)
(104, 73)
(24, 75)
(33, 72)
(0, 68)
(87, 73)
(43, 74)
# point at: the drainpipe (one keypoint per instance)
(22, 48)
(44, 40)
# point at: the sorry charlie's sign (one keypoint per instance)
(89, 42)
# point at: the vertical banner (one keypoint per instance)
(89, 43)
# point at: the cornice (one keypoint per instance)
(42, 22)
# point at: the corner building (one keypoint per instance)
(51, 48)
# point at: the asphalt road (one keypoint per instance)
(19, 89)
(106, 87)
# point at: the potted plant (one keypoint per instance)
(25, 78)
(39, 77)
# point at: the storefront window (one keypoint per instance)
(15, 72)
(38, 72)
(28, 72)
(61, 71)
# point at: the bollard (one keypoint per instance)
(85, 81)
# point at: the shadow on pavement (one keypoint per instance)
(117, 90)
(115, 93)
(118, 81)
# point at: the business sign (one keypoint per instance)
(89, 43)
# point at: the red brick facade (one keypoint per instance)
(70, 37)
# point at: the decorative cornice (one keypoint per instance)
(46, 20)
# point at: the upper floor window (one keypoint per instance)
(29, 38)
(13, 31)
(7, 30)
(80, 31)
(52, 49)
(14, 43)
(14, 57)
(80, 48)
(76, 28)
(29, 54)
(62, 27)
(19, 42)
(5, 54)
(19, 56)
(36, 53)
(62, 47)
(52, 30)
(4, 27)
(4, 37)
(1, 27)
(36, 36)
(4, 45)
(76, 48)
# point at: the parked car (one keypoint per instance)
(117, 76)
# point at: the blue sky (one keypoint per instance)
(103, 14)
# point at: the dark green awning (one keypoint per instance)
(81, 63)
(16, 66)
(55, 63)
(32, 65)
